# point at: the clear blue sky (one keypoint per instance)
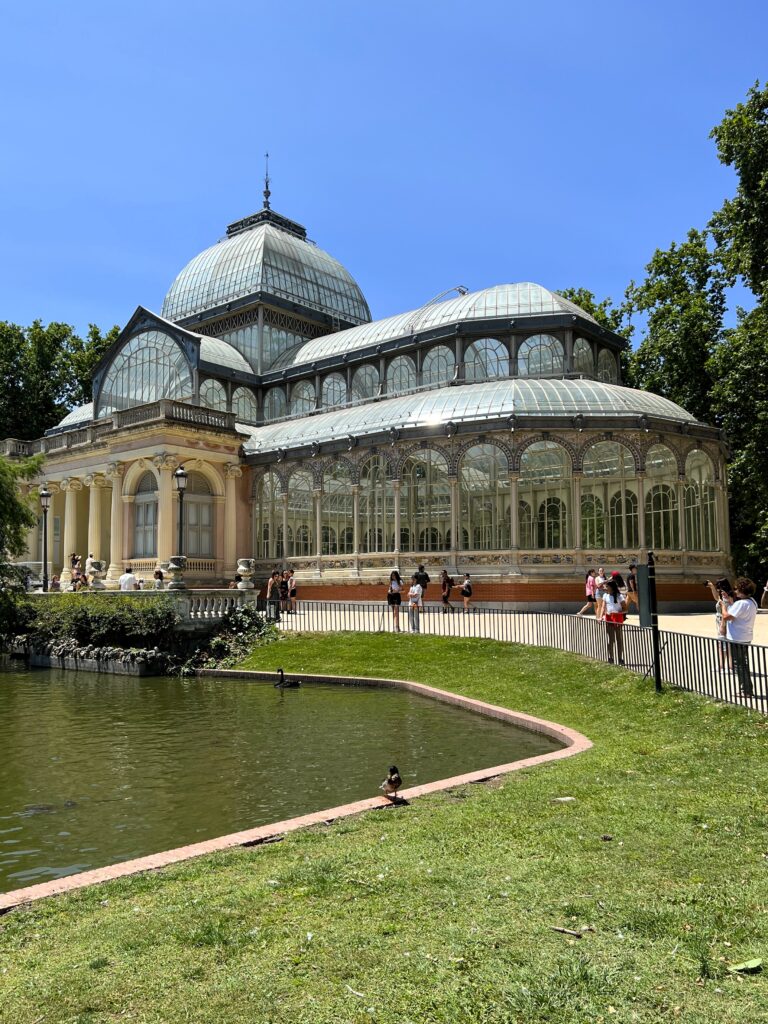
(424, 143)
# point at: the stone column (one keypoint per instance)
(232, 473)
(166, 506)
(514, 509)
(70, 486)
(356, 519)
(316, 496)
(115, 472)
(33, 533)
(95, 483)
(455, 525)
(641, 512)
(396, 545)
(680, 492)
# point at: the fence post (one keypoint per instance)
(654, 621)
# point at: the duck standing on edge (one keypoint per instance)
(282, 685)
(392, 783)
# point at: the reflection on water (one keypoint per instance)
(99, 769)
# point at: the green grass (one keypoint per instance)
(442, 911)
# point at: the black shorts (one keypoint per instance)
(394, 599)
(591, 598)
(293, 592)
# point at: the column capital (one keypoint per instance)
(71, 483)
(115, 470)
(164, 461)
(233, 471)
(95, 480)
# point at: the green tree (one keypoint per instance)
(683, 299)
(615, 318)
(45, 370)
(16, 517)
(739, 370)
(740, 227)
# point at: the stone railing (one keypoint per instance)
(179, 412)
(210, 605)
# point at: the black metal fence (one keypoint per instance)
(736, 673)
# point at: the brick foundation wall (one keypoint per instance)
(539, 592)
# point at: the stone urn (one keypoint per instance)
(176, 566)
(98, 573)
(246, 568)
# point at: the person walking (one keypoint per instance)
(422, 577)
(466, 592)
(284, 591)
(273, 596)
(394, 597)
(589, 587)
(600, 594)
(739, 613)
(614, 604)
(632, 595)
(293, 591)
(446, 585)
(415, 600)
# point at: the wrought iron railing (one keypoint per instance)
(736, 673)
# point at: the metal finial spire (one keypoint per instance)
(267, 193)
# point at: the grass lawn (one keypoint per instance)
(443, 911)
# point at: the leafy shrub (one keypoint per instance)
(241, 629)
(104, 620)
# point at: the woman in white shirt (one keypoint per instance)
(614, 606)
(414, 604)
(394, 597)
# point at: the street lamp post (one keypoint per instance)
(45, 504)
(177, 563)
(180, 478)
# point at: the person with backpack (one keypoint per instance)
(422, 578)
(466, 592)
(446, 585)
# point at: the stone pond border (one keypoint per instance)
(573, 743)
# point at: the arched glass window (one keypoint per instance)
(377, 504)
(484, 497)
(198, 518)
(268, 517)
(401, 375)
(609, 477)
(365, 383)
(700, 518)
(592, 522)
(302, 398)
(244, 406)
(540, 356)
(662, 525)
(275, 406)
(583, 357)
(525, 524)
(337, 511)
(145, 518)
(486, 359)
(545, 486)
(148, 367)
(606, 367)
(438, 366)
(300, 512)
(334, 391)
(425, 502)
(213, 395)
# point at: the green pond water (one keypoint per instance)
(100, 769)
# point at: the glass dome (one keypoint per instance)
(267, 258)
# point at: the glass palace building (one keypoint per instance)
(488, 432)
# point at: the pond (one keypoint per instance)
(100, 769)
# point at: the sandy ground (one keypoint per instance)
(703, 624)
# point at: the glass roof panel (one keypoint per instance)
(265, 257)
(493, 400)
(503, 300)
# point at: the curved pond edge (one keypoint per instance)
(573, 743)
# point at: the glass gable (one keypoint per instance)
(148, 367)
